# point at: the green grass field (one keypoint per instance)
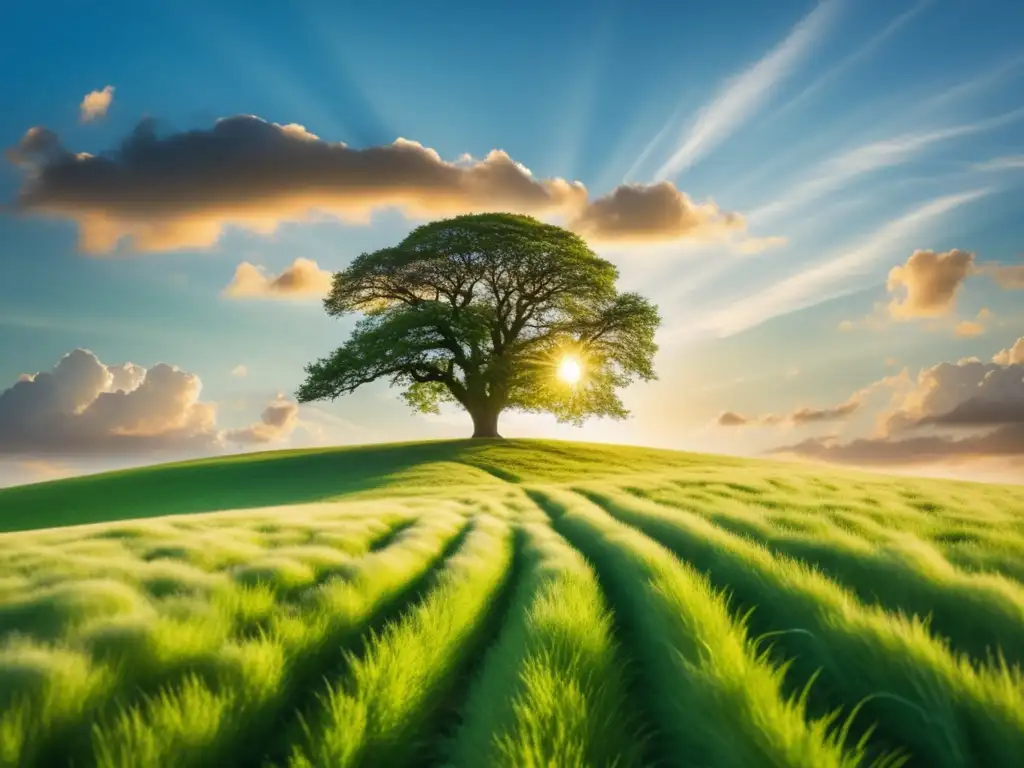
(510, 603)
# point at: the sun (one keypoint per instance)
(569, 370)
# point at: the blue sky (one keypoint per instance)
(854, 133)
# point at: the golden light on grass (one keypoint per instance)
(569, 370)
(208, 606)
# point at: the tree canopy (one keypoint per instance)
(480, 310)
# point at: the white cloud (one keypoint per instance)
(1007, 163)
(83, 408)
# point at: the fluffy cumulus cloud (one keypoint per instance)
(83, 407)
(967, 410)
(929, 282)
(655, 212)
(927, 286)
(278, 419)
(303, 278)
(95, 104)
(967, 393)
(1012, 356)
(181, 190)
(126, 376)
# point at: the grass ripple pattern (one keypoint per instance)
(510, 603)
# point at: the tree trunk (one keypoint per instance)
(485, 421)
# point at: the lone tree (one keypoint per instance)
(491, 311)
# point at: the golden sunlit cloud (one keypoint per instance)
(1012, 356)
(303, 278)
(966, 329)
(927, 285)
(182, 190)
(95, 104)
(639, 213)
(838, 274)
(930, 282)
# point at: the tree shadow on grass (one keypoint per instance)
(278, 478)
(237, 482)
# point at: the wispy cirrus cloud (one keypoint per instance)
(744, 95)
(872, 45)
(973, 86)
(842, 169)
(1008, 163)
(754, 245)
(651, 146)
(831, 277)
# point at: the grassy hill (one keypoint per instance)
(510, 603)
(328, 474)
